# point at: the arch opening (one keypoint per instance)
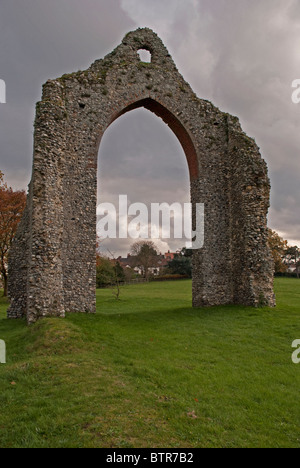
(141, 157)
(175, 125)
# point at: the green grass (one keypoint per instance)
(151, 371)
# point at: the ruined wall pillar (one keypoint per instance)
(45, 273)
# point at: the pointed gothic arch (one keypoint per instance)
(52, 262)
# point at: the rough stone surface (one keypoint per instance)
(52, 264)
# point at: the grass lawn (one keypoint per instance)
(151, 371)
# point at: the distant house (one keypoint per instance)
(169, 256)
(129, 263)
(292, 268)
(160, 262)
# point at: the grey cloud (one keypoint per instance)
(41, 40)
(242, 55)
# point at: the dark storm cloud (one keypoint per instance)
(42, 39)
(241, 54)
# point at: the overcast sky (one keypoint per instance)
(242, 55)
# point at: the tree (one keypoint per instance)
(105, 273)
(146, 255)
(118, 275)
(293, 255)
(12, 204)
(110, 273)
(279, 248)
(186, 252)
(181, 263)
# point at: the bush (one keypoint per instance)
(180, 265)
(286, 275)
(109, 273)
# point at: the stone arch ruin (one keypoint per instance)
(52, 263)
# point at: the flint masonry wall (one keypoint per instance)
(52, 262)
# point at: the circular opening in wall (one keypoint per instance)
(145, 55)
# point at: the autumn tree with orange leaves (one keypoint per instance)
(12, 204)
